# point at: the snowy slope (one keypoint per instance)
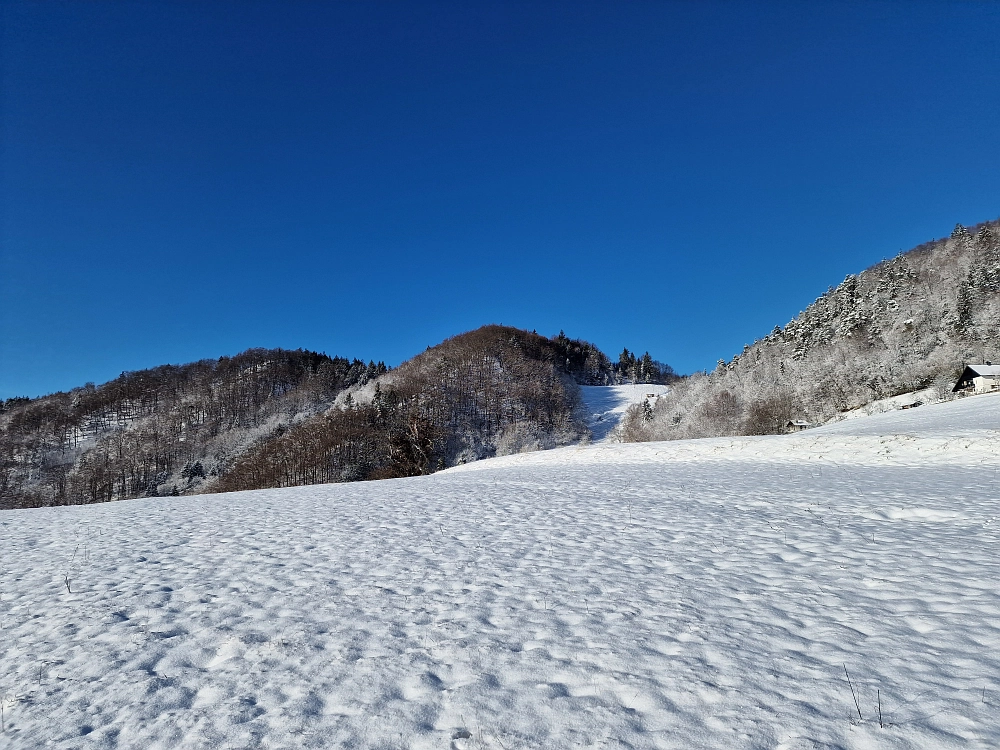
(605, 405)
(968, 415)
(699, 594)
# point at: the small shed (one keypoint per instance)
(979, 378)
(797, 425)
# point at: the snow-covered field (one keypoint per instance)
(699, 594)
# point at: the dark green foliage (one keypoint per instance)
(627, 365)
(583, 361)
(642, 369)
(194, 471)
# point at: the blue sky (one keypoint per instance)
(186, 180)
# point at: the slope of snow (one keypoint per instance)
(962, 416)
(605, 405)
(891, 403)
(698, 594)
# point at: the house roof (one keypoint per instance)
(984, 369)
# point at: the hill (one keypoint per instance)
(268, 418)
(489, 392)
(160, 431)
(904, 324)
(696, 594)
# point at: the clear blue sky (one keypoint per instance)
(181, 180)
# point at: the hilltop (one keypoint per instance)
(905, 324)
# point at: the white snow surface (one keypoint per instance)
(890, 403)
(694, 594)
(605, 405)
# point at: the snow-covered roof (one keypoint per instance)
(988, 370)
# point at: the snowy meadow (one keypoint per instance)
(834, 588)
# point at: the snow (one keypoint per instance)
(694, 594)
(891, 403)
(964, 416)
(605, 405)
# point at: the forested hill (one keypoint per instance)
(904, 324)
(160, 431)
(268, 418)
(492, 391)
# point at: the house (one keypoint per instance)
(797, 425)
(979, 378)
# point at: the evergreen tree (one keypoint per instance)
(627, 365)
(647, 411)
(963, 308)
(648, 371)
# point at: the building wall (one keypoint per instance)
(987, 383)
